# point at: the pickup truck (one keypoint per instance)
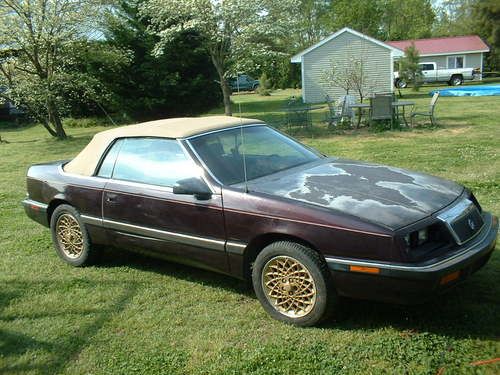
(431, 73)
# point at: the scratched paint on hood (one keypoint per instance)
(385, 195)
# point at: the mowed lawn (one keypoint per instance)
(135, 315)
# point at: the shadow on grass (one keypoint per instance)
(123, 258)
(466, 311)
(49, 356)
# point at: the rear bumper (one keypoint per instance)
(403, 283)
(36, 211)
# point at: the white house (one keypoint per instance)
(448, 52)
(341, 49)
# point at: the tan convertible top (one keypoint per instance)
(86, 161)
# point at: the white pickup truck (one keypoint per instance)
(431, 73)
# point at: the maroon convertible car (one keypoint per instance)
(238, 197)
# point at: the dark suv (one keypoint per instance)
(243, 83)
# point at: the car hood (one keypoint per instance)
(383, 195)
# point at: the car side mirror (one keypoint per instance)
(193, 186)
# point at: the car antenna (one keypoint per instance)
(242, 138)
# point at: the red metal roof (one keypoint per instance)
(443, 45)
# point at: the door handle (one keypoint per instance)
(111, 198)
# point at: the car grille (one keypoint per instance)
(463, 220)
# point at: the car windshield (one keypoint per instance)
(263, 150)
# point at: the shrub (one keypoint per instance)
(264, 88)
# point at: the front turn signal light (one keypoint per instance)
(372, 270)
(450, 277)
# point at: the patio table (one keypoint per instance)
(359, 107)
(302, 113)
(402, 104)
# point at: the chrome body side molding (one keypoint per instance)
(188, 239)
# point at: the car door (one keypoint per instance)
(428, 72)
(141, 212)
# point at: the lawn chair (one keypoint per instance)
(429, 114)
(336, 111)
(297, 114)
(381, 108)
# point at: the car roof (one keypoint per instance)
(86, 161)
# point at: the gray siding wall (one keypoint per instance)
(472, 60)
(341, 51)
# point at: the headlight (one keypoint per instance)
(417, 238)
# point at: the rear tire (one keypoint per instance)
(456, 80)
(70, 237)
(293, 284)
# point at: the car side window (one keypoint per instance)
(153, 161)
(107, 165)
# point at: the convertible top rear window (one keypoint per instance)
(262, 149)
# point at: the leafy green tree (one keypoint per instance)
(34, 35)
(409, 70)
(308, 19)
(180, 81)
(465, 17)
(264, 88)
(361, 15)
(90, 73)
(384, 19)
(409, 19)
(455, 17)
(487, 13)
(231, 31)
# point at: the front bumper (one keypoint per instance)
(36, 211)
(414, 283)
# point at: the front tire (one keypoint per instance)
(401, 84)
(70, 237)
(293, 284)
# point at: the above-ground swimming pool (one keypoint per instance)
(483, 90)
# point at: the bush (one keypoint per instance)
(264, 88)
(90, 122)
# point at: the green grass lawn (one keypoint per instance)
(135, 315)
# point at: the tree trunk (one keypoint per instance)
(226, 95)
(226, 91)
(55, 120)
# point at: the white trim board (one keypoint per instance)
(451, 53)
(298, 57)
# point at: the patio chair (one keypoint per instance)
(336, 111)
(297, 113)
(429, 114)
(381, 108)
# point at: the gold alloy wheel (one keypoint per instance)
(69, 236)
(289, 286)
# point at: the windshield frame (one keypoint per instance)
(202, 162)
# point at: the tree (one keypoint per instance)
(349, 75)
(455, 17)
(178, 82)
(34, 35)
(232, 31)
(383, 19)
(409, 19)
(361, 15)
(464, 17)
(409, 69)
(308, 19)
(488, 26)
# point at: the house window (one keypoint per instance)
(456, 62)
